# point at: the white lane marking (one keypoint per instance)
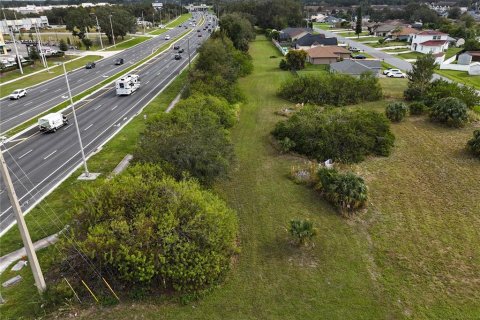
(105, 76)
(97, 107)
(114, 107)
(45, 158)
(64, 97)
(28, 103)
(88, 127)
(147, 82)
(44, 90)
(23, 155)
(67, 127)
(58, 90)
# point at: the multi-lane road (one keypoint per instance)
(39, 162)
(42, 97)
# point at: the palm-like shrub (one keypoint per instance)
(417, 108)
(301, 230)
(473, 145)
(450, 111)
(347, 192)
(396, 111)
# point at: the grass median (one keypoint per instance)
(128, 43)
(35, 79)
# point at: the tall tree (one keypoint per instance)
(78, 21)
(419, 77)
(238, 29)
(358, 26)
(122, 21)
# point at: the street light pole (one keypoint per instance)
(143, 23)
(12, 34)
(188, 48)
(87, 174)
(42, 53)
(99, 30)
(113, 35)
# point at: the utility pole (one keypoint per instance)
(99, 30)
(87, 174)
(188, 48)
(27, 241)
(143, 23)
(113, 35)
(12, 34)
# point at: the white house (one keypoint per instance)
(429, 41)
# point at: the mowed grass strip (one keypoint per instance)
(35, 79)
(128, 43)
(461, 77)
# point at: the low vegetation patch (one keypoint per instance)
(396, 111)
(331, 89)
(450, 111)
(473, 145)
(338, 134)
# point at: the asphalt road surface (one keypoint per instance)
(40, 161)
(42, 97)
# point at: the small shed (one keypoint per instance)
(474, 69)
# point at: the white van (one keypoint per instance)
(52, 121)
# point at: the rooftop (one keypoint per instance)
(433, 43)
(326, 51)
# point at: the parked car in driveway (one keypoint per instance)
(359, 56)
(17, 94)
(90, 65)
(397, 74)
(387, 71)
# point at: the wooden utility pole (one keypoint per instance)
(27, 241)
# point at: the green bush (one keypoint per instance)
(396, 111)
(284, 65)
(331, 89)
(339, 134)
(63, 45)
(148, 231)
(440, 89)
(301, 230)
(450, 111)
(417, 108)
(473, 145)
(188, 141)
(347, 192)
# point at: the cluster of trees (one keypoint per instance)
(338, 134)
(294, 60)
(331, 89)
(446, 102)
(239, 29)
(273, 14)
(149, 231)
(413, 11)
(345, 191)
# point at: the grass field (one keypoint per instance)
(184, 17)
(43, 76)
(451, 51)
(413, 254)
(461, 77)
(409, 55)
(396, 50)
(128, 44)
(323, 26)
(388, 44)
(368, 39)
(351, 34)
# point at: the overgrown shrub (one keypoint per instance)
(301, 230)
(331, 89)
(339, 134)
(473, 145)
(148, 231)
(450, 111)
(396, 111)
(347, 192)
(417, 108)
(440, 89)
(284, 65)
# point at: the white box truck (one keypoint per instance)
(127, 85)
(52, 121)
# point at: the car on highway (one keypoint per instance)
(181, 51)
(396, 74)
(119, 61)
(176, 47)
(387, 71)
(198, 30)
(17, 94)
(199, 35)
(359, 56)
(177, 57)
(90, 65)
(167, 37)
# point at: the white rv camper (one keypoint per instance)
(127, 85)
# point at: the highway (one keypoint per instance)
(42, 97)
(38, 162)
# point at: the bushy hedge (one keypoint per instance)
(146, 230)
(440, 89)
(396, 111)
(339, 134)
(331, 89)
(473, 145)
(450, 111)
(417, 108)
(347, 192)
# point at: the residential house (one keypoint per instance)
(403, 33)
(333, 20)
(468, 57)
(327, 54)
(319, 17)
(292, 34)
(356, 67)
(313, 40)
(429, 41)
(383, 30)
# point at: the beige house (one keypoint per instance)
(327, 54)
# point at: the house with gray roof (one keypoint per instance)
(292, 34)
(313, 40)
(384, 30)
(356, 67)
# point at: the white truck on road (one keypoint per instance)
(127, 85)
(52, 121)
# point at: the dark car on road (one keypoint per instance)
(199, 35)
(198, 30)
(176, 47)
(359, 56)
(178, 57)
(181, 51)
(90, 65)
(119, 61)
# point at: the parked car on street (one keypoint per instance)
(176, 47)
(359, 56)
(353, 49)
(90, 65)
(17, 94)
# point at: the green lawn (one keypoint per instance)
(368, 39)
(409, 55)
(314, 69)
(461, 77)
(351, 34)
(128, 43)
(451, 51)
(323, 26)
(175, 23)
(396, 50)
(43, 76)
(388, 44)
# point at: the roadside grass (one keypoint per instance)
(396, 50)
(158, 31)
(322, 25)
(461, 77)
(35, 79)
(175, 23)
(37, 66)
(85, 93)
(368, 39)
(352, 34)
(388, 44)
(128, 43)
(409, 55)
